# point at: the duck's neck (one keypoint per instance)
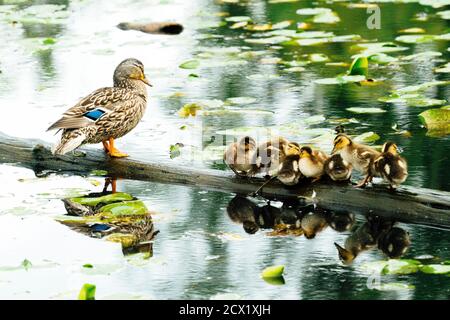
(131, 84)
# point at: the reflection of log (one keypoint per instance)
(154, 27)
(408, 204)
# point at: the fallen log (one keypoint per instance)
(407, 204)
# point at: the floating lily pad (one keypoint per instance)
(443, 69)
(190, 64)
(365, 110)
(378, 47)
(26, 264)
(394, 286)
(189, 109)
(359, 66)
(435, 269)
(273, 272)
(107, 199)
(238, 19)
(126, 208)
(270, 40)
(437, 121)
(175, 150)
(343, 79)
(426, 55)
(278, 281)
(87, 292)
(412, 30)
(367, 137)
(401, 266)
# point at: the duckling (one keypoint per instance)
(390, 166)
(270, 154)
(289, 172)
(341, 221)
(239, 156)
(313, 223)
(243, 211)
(337, 168)
(394, 243)
(359, 156)
(311, 163)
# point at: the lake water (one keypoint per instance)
(52, 56)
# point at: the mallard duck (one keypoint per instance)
(289, 171)
(359, 156)
(337, 168)
(239, 156)
(311, 163)
(390, 166)
(107, 113)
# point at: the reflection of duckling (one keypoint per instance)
(269, 216)
(313, 223)
(241, 210)
(337, 168)
(342, 221)
(311, 163)
(394, 243)
(360, 156)
(239, 155)
(391, 166)
(289, 171)
(270, 154)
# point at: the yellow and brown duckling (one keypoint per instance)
(289, 172)
(311, 163)
(337, 168)
(239, 156)
(359, 156)
(390, 166)
(107, 113)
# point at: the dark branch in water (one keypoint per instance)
(407, 204)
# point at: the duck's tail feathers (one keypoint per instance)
(67, 145)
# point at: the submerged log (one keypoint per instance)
(407, 204)
(171, 28)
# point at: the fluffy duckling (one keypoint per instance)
(337, 168)
(394, 243)
(313, 223)
(390, 166)
(311, 163)
(243, 211)
(289, 172)
(359, 156)
(341, 221)
(239, 156)
(270, 154)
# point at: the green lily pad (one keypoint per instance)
(343, 79)
(381, 58)
(378, 47)
(175, 150)
(26, 264)
(426, 55)
(125, 208)
(443, 69)
(394, 286)
(318, 57)
(435, 269)
(238, 19)
(312, 11)
(115, 197)
(437, 121)
(270, 40)
(87, 292)
(359, 66)
(413, 100)
(240, 100)
(365, 110)
(189, 109)
(416, 38)
(278, 281)
(401, 266)
(190, 64)
(367, 137)
(273, 272)
(314, 119)
(88, 266)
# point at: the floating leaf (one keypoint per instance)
(189, 109)
(175, 150)
(88, 266)
(340, 80)
(125, 208)
(314, 119)
(426, 55)
(26, 264)
(49, 41)
(239, 25)
(365, 110)
(87, 292)
(394, 286)
(412, 30)
(367, 137)
(359, 66)
(190, 64)
(270, 40)
(240, 100)
(238, 19)
(435, 269)
(378, 47)
(278, 281)
(437, 121)
(443, 69)
(318, 57)
(401, 266)
(110, 198)
(273, 272)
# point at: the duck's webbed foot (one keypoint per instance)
(113, 152)
(364, 182)
(112, 182)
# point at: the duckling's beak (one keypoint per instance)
(144, 80)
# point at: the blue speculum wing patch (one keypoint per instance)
(94, 114)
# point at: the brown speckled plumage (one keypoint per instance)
(123, 106)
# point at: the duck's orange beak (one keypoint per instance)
(145, 80)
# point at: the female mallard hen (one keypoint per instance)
(107, 113)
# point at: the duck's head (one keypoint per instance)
(292, 149)
(130, 69)
(305, 152)
(248, 143)
(346, 256)
(340, 142)
(390, 147)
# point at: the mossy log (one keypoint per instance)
(407, 204)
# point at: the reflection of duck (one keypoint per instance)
(242, 210)
(341, 221)
(360, 156)
(311, 163)
(337, 168)
(394, 243)
(391, 166)
(313, 222)
(239, 156)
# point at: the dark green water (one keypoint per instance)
(200, 252)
